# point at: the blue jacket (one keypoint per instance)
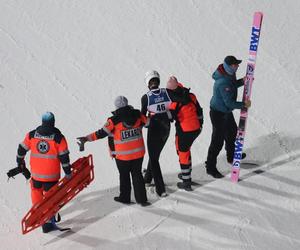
(225, 91)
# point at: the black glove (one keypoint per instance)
(21, 168)
(81, 142)
(13, 172)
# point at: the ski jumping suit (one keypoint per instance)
(222, 103)
(49, 150)
(125, 128)
(155, 102)
(189, 119)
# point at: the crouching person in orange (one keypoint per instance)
(125, 128)
(49, 150)
(188, 115)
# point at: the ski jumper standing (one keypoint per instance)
(125, 128)
(155, 103)
(49, 151)
(188, 115)
(222, 103)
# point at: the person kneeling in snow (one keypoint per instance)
(49, 150)
(125, 127)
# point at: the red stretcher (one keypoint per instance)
(60, 194)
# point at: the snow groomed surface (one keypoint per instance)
(74, 57)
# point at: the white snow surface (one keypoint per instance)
(74, 57)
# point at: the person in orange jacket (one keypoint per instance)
(188, 115)
(124, 129)
(49, 151)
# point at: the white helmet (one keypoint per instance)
(150, 75)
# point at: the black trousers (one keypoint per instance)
(133, 167)
(157, 137)
(224, 129)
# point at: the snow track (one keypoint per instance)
(74, 57)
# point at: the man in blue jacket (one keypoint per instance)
(222, 103)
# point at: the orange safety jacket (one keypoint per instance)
(44, 157)
(128, 140)
(187, 115)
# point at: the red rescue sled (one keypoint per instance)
(60, 194)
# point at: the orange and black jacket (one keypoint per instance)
(124, 129)
(49, 151)
(186, 110)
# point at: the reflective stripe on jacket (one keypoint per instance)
(128, 141)
(186, 115)
(44, 157)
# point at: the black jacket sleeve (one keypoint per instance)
(21, 154)
(65, 162)
(101, 133)
(199, 112)
(199, 109)
(144, 104)
(63, 158)
(22, 150)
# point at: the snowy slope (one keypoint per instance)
(74, 57)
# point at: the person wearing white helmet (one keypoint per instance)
(155, 102)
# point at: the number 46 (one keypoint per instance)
(161, 107)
